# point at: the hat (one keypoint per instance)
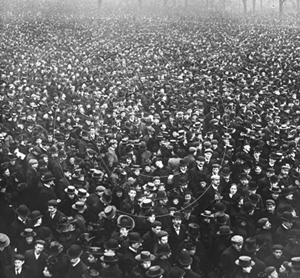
(161, 195)
(40, 241)
(74, 251)
(155, 224)
(219, 207)
(270, 201)
(109, 257)
(36, 214)
(82, 193)
(92, 273)
(145, 256)
(53, 203)
(94, 250)
(250, 244)
(248, 207)
(162, 234)
(185, 258)
(79, 206)
(54, 248)
(111, 244)
(125, 221)
(135, 237)
(221, 218)
(237, 239)
(70, 189)
(23, 211)
(262, 222)
(110, 212)
(193, 230)
(32, 161)
(207, 214)
(277, 247)
(48, 177)
(155, 271)
(19, 257)
(224, 231)
(176, 272)
(244, 261)
(28, 233)
(295, 263)
(100, 188)
(287, 216)
(4, 240)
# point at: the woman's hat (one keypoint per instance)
(145, 256)
(54, 248)
(109, 257)
(185, 258)
(4, 240)
(244, 261)
(74, 251)
(125, 221)
(28, 233)
(23, 211)
(155, 271)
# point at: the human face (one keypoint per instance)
(124, 231)
(270, 207)
(132, 194)
(238, 246)
(74, 261)
(156, 229)
(216, 181)
(91, 258)
(146, 264)
(267, 226)
(18, 264)
(233, 189)
(39, 248)
(277, 254)
(52, 209)
(274, 274)
(29, 240)
(164, 240)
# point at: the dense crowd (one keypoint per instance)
(142, 145)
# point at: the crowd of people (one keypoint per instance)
(140, 145)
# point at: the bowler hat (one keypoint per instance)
(248, 207)
(185, 258)
(48, 177)
(111, 244)
(244, 261)
(135, 237)
(155, 271)
(36, 214)
(287, 216)
(23, 211)
(161, 195)
(176, 272)
(221, 218)
(74, 251)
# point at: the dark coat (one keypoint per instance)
(11, 273)
(77, 271)
(52, 222)
(46, 194)
(174, 238)
(36, 265)
(191, 274)
(227, 261)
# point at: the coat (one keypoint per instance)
(11, 273)
(227, 261)
(77, 271)
(36, 265)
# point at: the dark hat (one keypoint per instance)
(110, 212)
(162, 234)
(125, 221)
(161, 194)
(183, 163)
(248, 207)
(145, 256)
(270, 201)
(225, 171)
(79, 206)
(277, 247)
(252, 185)
(156, 224)
(36, 214)
(162, 249)
(287, 216)
(269, 270)
(250, 244)
(111, 244)
(28, 233)
(185, 258)
(40, 241)
(23, 211)
(48, 177)
(53, 203)
(94, 250)
(155, 271)
(193, 230)
(54, 248)
(295, 263)
(176, 272)
(19, 257)
(92, 273)
(177, 215)
(109, 257)
(224, 231)
(244, 261)
(221, 218)
(275, 189)
(74, 251)
(135, 237)
(4, 240)
(219, 207)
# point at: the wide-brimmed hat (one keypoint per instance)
(185, 258)
(71, 190)
(244, 261)
(125, 221)
(23, 211)
(145, 256)
(224, 231)
(92, 273)
(48, 177)
(28, 233)
(94, 250)
(155, 271)
(294, 263)
(207, 213)
(4, 240)
(74, 251)
(79, 206)
(110, 212)
(109, 257)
